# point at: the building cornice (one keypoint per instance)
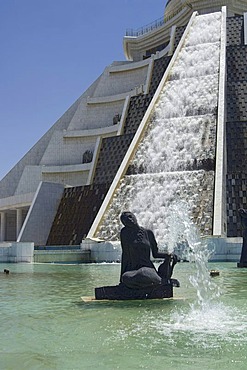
(177, 13)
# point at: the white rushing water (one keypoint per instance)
(180, 136)
(194, 250)
(152, 196)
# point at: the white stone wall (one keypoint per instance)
(30, 179)
(102, 251)
(63, 150)
(92, 116)
(41, 214)
(16, 252)
(113, 83)
(67, 178)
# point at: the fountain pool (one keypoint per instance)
(44, 324)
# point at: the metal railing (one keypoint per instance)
(156, 24)
(145, 29)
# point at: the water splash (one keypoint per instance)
(209, 325)
(184, 234)
(212, 327)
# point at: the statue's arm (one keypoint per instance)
(154, 246)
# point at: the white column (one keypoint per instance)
(245, 28)
(3, 226)
(220, 216)
(18, 221)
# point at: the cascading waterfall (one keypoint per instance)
(151, 196)
(175, 160)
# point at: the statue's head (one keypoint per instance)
(128, 219)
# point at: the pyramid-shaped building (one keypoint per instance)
(163, 133)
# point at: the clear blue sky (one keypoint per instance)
(51, 52)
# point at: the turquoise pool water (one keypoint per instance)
(45, 325)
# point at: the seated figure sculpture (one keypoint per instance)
(139, 278)
(243, 259)
(137, 269)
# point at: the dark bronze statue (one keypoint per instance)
(243, 259)
(139, 278)
(137, 269)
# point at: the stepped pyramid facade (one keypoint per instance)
(168, 124)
